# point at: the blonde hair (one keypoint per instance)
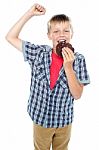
(59, 18)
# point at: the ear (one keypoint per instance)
(49, 36)
(71, 35)
(71, 31)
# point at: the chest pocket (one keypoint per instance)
(40, 72)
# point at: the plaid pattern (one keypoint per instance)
(46, 107)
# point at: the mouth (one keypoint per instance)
(61, 40)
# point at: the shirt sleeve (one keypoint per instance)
(81, 72)
(29, 51)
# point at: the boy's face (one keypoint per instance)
(59, 31)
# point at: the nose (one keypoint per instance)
(61, 33)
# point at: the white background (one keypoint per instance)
(15, 124)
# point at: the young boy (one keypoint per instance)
(55, 81)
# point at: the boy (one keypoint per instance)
(55, 81)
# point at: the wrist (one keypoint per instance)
(69, 70)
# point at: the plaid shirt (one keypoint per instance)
(46, 107)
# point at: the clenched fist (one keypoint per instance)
(37, 10)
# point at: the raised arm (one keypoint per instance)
(13, 35)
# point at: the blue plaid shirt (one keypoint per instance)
(46, 107)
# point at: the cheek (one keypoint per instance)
(53, 38)
(49, 36)
(69, 36)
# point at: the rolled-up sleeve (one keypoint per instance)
(81, 72)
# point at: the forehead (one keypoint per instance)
(58, 25)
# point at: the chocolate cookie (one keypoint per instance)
(62, 44)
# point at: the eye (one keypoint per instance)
(56, 31)
(67, 31)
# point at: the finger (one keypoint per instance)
(70, 53)
(64, 58)
(40, 8)
(65, 55)
(64, 50)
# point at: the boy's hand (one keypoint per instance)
(68, 57)
(37, 10)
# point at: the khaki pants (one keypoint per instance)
(58, 137)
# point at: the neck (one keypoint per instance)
(54, 50)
